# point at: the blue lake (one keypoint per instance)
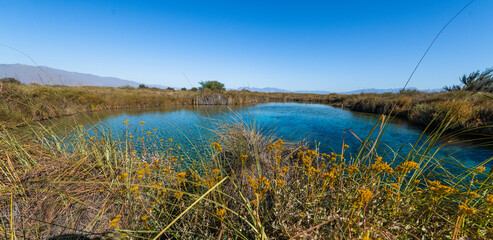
(318, 123)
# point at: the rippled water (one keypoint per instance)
(291, 121)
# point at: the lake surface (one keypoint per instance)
(291, 121)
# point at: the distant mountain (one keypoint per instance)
(389, 90)
(374, 90)
(314, 92)
(266, 90)
(369, 90)
(49, 76)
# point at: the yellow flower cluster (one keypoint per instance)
(489, 200)
(381, 166)
(467, 210)
(365, 195)
(217, 147)
(178, 195)
(220, 213)
(277, 145)
(480, 169)
(437, 188)
(243, 157)
(407, 166)
(307, 157)
(115, 222)
(260, 185)
(352, 169)
(123, 176)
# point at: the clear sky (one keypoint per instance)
(294, 45)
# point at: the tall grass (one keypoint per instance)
(249, 184)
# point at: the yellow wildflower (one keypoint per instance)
(467, 210)
(181, 174)
(123, 176)
(220, 213)
(407, 166)
(217, 146)
(365, 196)
(134, 188)
(280, 182)
(474, 195)
(114, 222)
(144, 218)
(178, 195)
(480, 169)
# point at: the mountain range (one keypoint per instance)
(27, 74)
(369, 90)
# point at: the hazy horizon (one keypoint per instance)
(311, 46)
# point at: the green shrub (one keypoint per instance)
(212, 85)
(9, 80)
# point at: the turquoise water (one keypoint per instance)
(291, 121)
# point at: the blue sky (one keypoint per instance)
(294, 45)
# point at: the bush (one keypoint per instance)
(212, 85)
(9, 80)
(143, 86)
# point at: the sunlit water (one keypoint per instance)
(324, 126)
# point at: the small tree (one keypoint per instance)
(184, 89)
(194, 89)
(143, 86)
(212, 85)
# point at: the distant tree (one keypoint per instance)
(194, 89)
(452, 88)
(212, 85)
(143, 86)
(184, 89)
(10, 80)
(475, 81)
(128, 87)
(170, 88)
